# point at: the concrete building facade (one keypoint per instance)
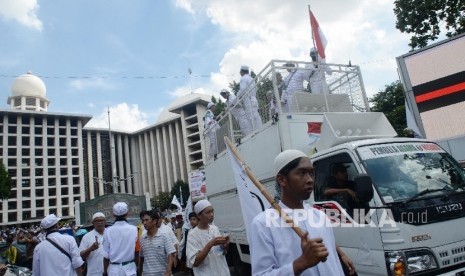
(54, 160)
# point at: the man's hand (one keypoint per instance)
(3, 269)
(351, 193)
(313, 252)
(220, 240)
(348, 263)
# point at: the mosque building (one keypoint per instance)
(54, 160)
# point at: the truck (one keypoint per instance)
(433, 80)
(416, 203)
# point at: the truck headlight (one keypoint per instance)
(401, 263)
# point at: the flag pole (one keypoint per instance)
(263, 190)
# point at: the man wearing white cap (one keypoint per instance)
(90, 248)
(316, 77)
(278, 250)
(248, 95)
(237, 112)
(58, 254)
(211, 126)
(119, 244)
(206, 247)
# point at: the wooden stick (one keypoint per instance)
(263, 190)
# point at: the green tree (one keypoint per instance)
(179, 184)
(391, 102)
(161, 201)
(425, 19)
(5, 183)
(219, 105)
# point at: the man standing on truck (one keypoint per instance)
(237, 112)
(248, 96)
(278, 250)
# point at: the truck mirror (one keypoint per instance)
(363, 187)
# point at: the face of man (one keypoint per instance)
(99, 224)
(341, 176)
(298, 184)
(225, 95)
(149, 223)
(207, 215)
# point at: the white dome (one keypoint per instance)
(28, 85)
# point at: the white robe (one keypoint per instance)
(317, 78)
(248, 94)
(294, 82)
(239, 115)
(211, 126)
(274, 249)
(214, 264)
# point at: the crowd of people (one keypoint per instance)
(126, 250)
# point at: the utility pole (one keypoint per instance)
(114, 180)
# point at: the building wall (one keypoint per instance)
(42, 154)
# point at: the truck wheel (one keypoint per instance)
(234, 260)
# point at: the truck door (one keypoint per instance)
(358, 239)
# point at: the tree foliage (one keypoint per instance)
(391, 102)
(161, 201)
(5, 183)
(425, 19)
(184, 190)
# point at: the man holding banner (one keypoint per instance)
(277, 250)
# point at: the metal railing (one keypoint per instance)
(342, 85)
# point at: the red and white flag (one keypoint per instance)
(317, 35)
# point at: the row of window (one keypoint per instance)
(39, 130)
(25, 172)
(38, 121)
(39, 193)
(26, 204)
(39, 182)
(39, 162)
(38, 141)
(40, 152)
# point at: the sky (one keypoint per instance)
(134, 56)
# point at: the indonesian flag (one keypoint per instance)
(317, 35)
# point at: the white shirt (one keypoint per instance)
(95, 258)
(50, 261)
(165, 229)
(248, 87)
(276, 248)
(119, 242)
(213, 264)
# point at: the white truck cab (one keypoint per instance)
(411, 190)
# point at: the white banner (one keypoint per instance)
(187, 211)
(175, 201)
(197, 185)
(252, 200)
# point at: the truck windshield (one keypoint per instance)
(409, 171)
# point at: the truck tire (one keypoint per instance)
(234, 260)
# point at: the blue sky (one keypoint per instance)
(134, 56)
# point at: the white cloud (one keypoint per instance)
(184, 4)
(362, 31)
(23, 11)
(99, 83)
(123, 117)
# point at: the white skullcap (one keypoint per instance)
(285, 158)
(98, 215)
(120, 208)
(201, 205)
(49, 221)
(210, 104)
(223, 91)
(245, 67)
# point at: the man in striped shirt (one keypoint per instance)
(156, 248)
